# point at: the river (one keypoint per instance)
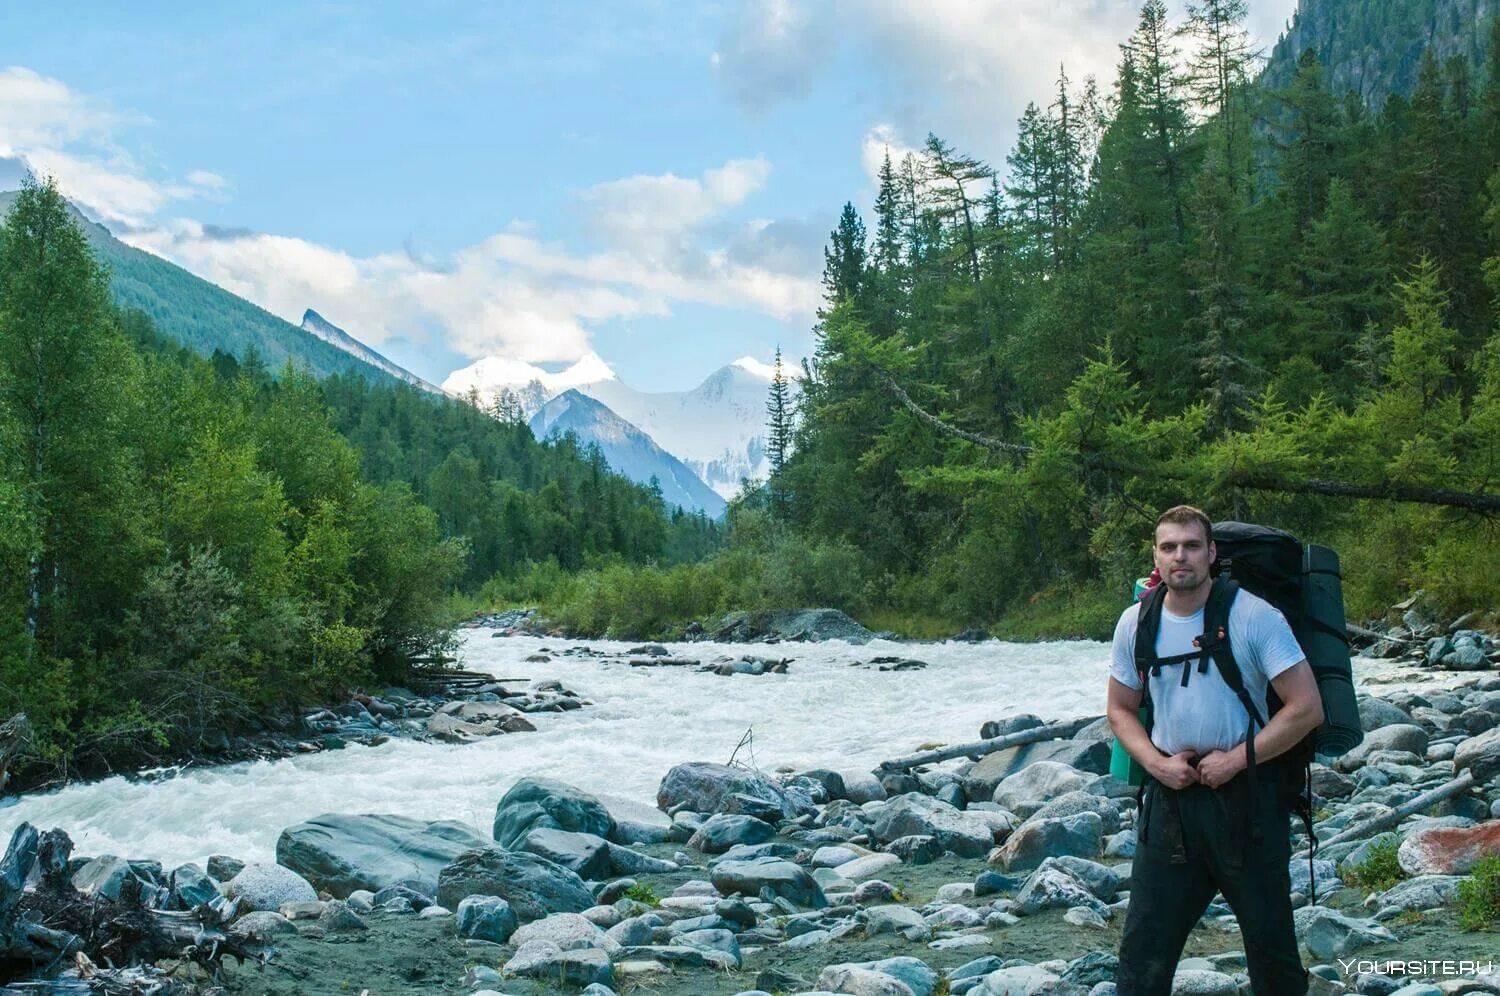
(830, 710)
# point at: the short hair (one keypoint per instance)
(1181, 515)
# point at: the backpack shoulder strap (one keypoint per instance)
(1218, 644)
(1147, 627)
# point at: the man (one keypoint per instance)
(1200, 831)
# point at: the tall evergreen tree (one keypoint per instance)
(778, 430)
(844, 258)
(1219, 73)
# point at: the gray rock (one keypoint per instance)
(1332, 935)
(1083, 755)
(920, 815)
(534, 887)
(1397, 736)
(1480, 755)
(895, 919)
(625, 861)
(267, 887)
(918, 849)
(1070, 803)
(413, 898)
(704, 787)
(722, 831)
(628, 832)
(337, 916)
(1331, 784)
(222, 868)
(1033, 842)
(634, 931)
(1018, 980)
(1376, 712)
(1326, 872)
(568, 931)
(790, 624)
(190, 887)
(262, 926)
(1054, 888)
(861, 787)
(584, 854)
(1424, 892)
(713, 939)
(779, 876)
(1029, 789)
(546, 961)
(543, 803)
(859, 981)
(486, 918)
(106, 875)
(1203, 982)
(341, 853)
(1100, 880)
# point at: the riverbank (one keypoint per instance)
(1006, 875)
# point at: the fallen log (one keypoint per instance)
(1371, 634)
(1462, 783)
(1052, 731)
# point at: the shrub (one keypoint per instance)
(1380, 870)
(1479, 895)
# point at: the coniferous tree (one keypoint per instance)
(844, 258)
(1219, 72)
(778, 430)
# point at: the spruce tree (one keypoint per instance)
(1219, 72)
(844, 258)
(778, 431)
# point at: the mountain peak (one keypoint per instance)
(317, 325)
(492, 373)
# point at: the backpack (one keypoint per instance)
(1303, 582)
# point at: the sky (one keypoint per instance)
(651, 181)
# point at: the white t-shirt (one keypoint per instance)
(1207, 715)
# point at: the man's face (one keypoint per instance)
(1183, 555)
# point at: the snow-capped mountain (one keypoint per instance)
(629, 450)
(333, 335)
(717, 428)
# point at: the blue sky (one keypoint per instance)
(651, 181)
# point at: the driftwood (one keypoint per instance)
(1472, 501)
(1462, 783)
(1373, 634)
(1052, 731)
(52, 923)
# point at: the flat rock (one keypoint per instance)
(342, 853)
(586, 855)
(722, 831)
(545, 960)
(861, 982)
(1029, 789)
(1479, 755)
(919, 815)
(781, 877)
(1082, 755)
(1332, 935)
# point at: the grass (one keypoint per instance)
(1479, 895)
(1379, 871)
(911, 625)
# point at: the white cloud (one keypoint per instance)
(964, 69)
(514, 294)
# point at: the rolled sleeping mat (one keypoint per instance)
(1326, 642)
(1121, 764)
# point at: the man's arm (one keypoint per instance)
(1301, 712)
(1122, 707)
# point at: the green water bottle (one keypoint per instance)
(1121, 764)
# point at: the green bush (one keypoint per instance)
(1380, 870)
(1479, 895)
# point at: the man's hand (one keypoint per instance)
(1217, 767)
(1177, 771)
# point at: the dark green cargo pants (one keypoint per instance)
(1191, 844)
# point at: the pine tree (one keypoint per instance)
(778, 431)
(844, 259)
(1342, 268)
(1163, 107)
(1027, 188)
(953, 175)
(1309, 134)
(1219, 72)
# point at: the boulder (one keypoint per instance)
(1018, 980)
(569, 931)
(544, 803)
(859, 981)
(789, 624)
(268, 887)
(1331, 935)
(486, 918)
(341, 853)
(105, 875)
(1033, 842)
(1448, 850)
(190, 887)
(1055, 888)
(918, 849)
(1082, 755)
(546, 961)
(1376, 712)
(1029, 789)
(534, 886)
(1070, 803)
(1425, 892)
(895, 919)
(705, 787)
(1479, 755)
(262, 926)
(722, 831)
(584, 854)
(919, 815)
(779, 876)
(1397, 736)
(1203, 982)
